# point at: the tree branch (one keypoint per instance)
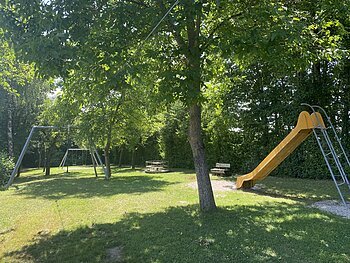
(179, 40)
(140, 3)
(217, 27)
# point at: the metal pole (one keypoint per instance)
(93, 162)
(20, 158)
(329, 167)
(24, 149)
(63, 160)
(332, 150)
(101, 163)
(336, 136)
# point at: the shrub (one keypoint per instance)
(6, 166)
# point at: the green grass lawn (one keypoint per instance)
(76, 217)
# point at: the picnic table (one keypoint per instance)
(156, 166)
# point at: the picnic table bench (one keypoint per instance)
(222, 169)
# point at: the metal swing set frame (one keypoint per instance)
(96, 159)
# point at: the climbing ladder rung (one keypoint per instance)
(335, 157)
(338, 155)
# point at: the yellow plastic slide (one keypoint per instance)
(302, 130)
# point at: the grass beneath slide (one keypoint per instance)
(138, 217)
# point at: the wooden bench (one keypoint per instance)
(222, 169)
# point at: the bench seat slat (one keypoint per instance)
(223, 165)
(221, 168)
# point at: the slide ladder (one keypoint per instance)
(333, 152)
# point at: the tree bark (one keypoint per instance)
(107, 162)
(205, 191)
(206, 197)
(48, 162)
(190, 48)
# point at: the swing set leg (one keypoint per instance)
(93, 163)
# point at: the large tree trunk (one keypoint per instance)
(205, 191)
(206, 197)
(190, 48)
(107, 162)
(49, 152)
(48, 162)
(107, 149)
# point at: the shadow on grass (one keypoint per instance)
(183, 171)
(116, 170)
(39, 177)
(141, 169)
(266, 233)
(69, 185)
(306, 190)
(74, 171)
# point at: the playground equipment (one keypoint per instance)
(332, 150)
(95, 158)
(25, 147)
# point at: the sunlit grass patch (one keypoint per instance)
(76, 217)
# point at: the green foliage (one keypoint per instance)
(6, 166)
(173, 138)
(89, 43)
(288, 35)
(21, 98)
(13, 73)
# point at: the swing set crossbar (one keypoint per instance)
(96, 159)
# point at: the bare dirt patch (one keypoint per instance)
(218, 185)
(114, 254)
(334, 207)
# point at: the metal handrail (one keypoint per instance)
(335, 133)
(329, 143)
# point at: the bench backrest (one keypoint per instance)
(223, 165)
